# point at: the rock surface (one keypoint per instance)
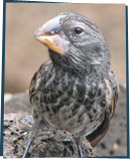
(47, 144)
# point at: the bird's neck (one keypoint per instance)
(65, 64)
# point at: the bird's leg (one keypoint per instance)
(27, 147)
(33, 134)
(79, 140)
(80, 151)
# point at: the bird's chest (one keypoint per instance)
(55, 92)
(67, 102)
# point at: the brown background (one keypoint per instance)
(23, 55)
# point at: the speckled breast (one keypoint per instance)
(69, 103)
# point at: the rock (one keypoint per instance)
(46, 144)
(122, 87)
(18, 102)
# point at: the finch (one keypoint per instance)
(75, 90)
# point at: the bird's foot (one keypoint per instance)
(89, 150)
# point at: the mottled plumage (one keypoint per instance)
(75, 90)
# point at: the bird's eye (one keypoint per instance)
(78, 30)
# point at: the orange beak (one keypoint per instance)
(50, 35)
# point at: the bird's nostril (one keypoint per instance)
(52, 32)
(55, 31)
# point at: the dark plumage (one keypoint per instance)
(75, 90)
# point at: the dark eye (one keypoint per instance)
(78, 30)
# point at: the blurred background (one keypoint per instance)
(24, 55)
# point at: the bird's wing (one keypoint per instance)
(32, 89)
(100, 132)
(39, 76)
(115, 90)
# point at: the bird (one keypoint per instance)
(75, 90)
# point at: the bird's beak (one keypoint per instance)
(50, 35)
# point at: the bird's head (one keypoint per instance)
(75, 44)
